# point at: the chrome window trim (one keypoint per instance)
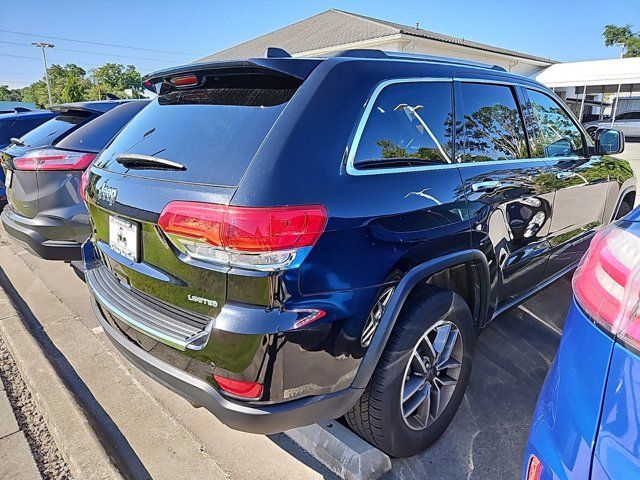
(353, 146)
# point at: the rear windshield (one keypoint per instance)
(213, 132)
(94, 136)
(52, 130)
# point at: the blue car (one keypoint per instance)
(587, 420)
(14, 125)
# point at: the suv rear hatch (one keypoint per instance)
(193, 143)
(22, 185)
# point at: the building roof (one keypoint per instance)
(618, 71)
(336, 27)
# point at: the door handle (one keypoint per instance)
(486, 186)
(565, 175)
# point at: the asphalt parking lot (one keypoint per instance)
(164, 434)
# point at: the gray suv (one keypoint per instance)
(627, 122)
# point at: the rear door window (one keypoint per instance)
(49, 132)
(493, 123)
(213, 132)
(95, 135)
(556, 133)
(408, 121)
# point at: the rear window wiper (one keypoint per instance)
(17, 142)
(136, 160)
(395, 162)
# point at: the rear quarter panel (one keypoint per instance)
(565, 421)
(617, 451)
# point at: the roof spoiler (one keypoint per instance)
(276, 61)
(21, 109)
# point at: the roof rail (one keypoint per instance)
(366, 53)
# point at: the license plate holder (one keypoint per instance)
(124, 238)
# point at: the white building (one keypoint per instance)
(591, 88)
(336, 30)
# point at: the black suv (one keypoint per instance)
(285, 240)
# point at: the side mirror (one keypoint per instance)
(609, 142)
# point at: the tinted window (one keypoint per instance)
(93, 136)
(213, 132)
(50, 131)
(6, 125)
(556, 134)
(633, 116)
(408, 120)
(492, 122)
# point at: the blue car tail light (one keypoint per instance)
(607, 282)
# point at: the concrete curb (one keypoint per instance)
(75, 438)
(341, 451)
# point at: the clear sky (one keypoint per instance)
(566, 30)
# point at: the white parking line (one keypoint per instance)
(536, 317)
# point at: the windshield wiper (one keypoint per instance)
(135, 160)
(17, 142)
(399, 162)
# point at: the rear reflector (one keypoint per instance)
(535, 468)
(84, 182)
(607, 282)
(238, 388)
(50, 159)
(263, 238)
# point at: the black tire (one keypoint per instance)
(377, 417)
(623, 209)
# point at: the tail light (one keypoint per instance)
(270, 238)
(84, 182)
(534, 471)
(607, 282)
(49, 159)
(238, 388)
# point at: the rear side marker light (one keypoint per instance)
(607, 282)
(535, 468)
(53, 160)
(184, 81)
(258, 238)
(308, 316)
(84, 183)
(238, 388)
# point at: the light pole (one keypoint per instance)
(42, 46)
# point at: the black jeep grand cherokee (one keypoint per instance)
(284, 240)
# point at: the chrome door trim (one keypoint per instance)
(353, 146)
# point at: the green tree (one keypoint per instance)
(615, 35)
(10, 94)
(115, 78)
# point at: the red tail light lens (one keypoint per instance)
(50, 159)
(607, 282)
(84, 182)
(263, 238)
(534, 472)
(237, 388)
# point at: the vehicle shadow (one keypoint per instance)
(488, 434)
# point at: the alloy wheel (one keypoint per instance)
(431, 375)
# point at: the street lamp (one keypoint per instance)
(42, 46)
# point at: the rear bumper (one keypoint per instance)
(27, 231)
(245, 417)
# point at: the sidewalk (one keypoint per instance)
(16, 460)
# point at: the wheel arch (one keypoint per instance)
(402, 292)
